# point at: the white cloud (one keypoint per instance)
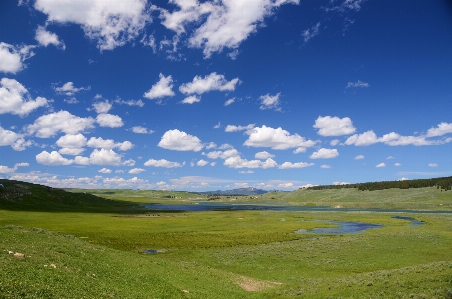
(341, 183)
(237, 162)
(50, 124)
(334, 126)
(432, 165)
(310, 33)
(162, 163)
(324, 153)
(12, 58)
(357, 84)
(381, 165)
(270, 102)
(211, 145)
(8, 137)
(104, 157)
(71, 101)
(202, 163)
(180, 141)
(397, 164)
(359, 157)
(71, 151)
(299, 150)
(129, 162)
(105, 170)
(141, 130)
(108, 144)
(403, 179)
(138, 103)
(71, 141)
(213, 164)
(324, 166)
(102, 107)
(46, 38)
(109, 120)
(277, 139)
(191, 100)
(69, 89)
(136, 170)
(6, 169)
(364, 139)
(229, 102)
(442, 129)
(334, 142)
(163, 88)
(81, 160)
(263, 155)
(52, 159)
(109, 23)
(208, 83)
(222, 23)
(289, 165)
(223, 154)
(390, 158)
(14, 98)
(232, 128)
(285, 185)
(217, 126)
(233, 55)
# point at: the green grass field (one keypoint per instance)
(78, 245)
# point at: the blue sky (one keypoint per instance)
(206, 95)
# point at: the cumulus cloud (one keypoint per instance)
(71, 141)
(359, 157)
(69, 89)
(180, 141)
(102, 107)
(52, 159)
(104, 157)
(324, 166)
(357, 84)
(109, 120)
(162, 163)
(16, 141)
(202, 163)
(50, 124)
(442, 129)
(12, 57)
(191, 100)
(6, 169)
(99, 142)
(233, 128)
(270, 102)
(14, 98)
(381, 165)
(393, 139)
(277, 139)
(141, 130)
(210, 82)
(263, 155)
(223, 154)
(324, 153)
(221, 23)
(136, 170)
(432, 165)
(161, 89)
(110, 24)
(104, 170)
(334, 142)
(334, 126)
(397, 164)
(289, 165)
(237, 162)
(46, 38)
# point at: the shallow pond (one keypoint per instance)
(343, 227)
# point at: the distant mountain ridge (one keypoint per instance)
(239, 191)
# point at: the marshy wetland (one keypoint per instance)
(97, 244)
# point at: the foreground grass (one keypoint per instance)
(98, 251)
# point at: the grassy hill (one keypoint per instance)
(92, 245)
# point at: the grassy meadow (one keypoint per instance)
(90, 244)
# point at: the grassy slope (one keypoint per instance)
(211, 254)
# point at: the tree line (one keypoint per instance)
(441, 183)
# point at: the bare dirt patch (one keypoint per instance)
(254, 285)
